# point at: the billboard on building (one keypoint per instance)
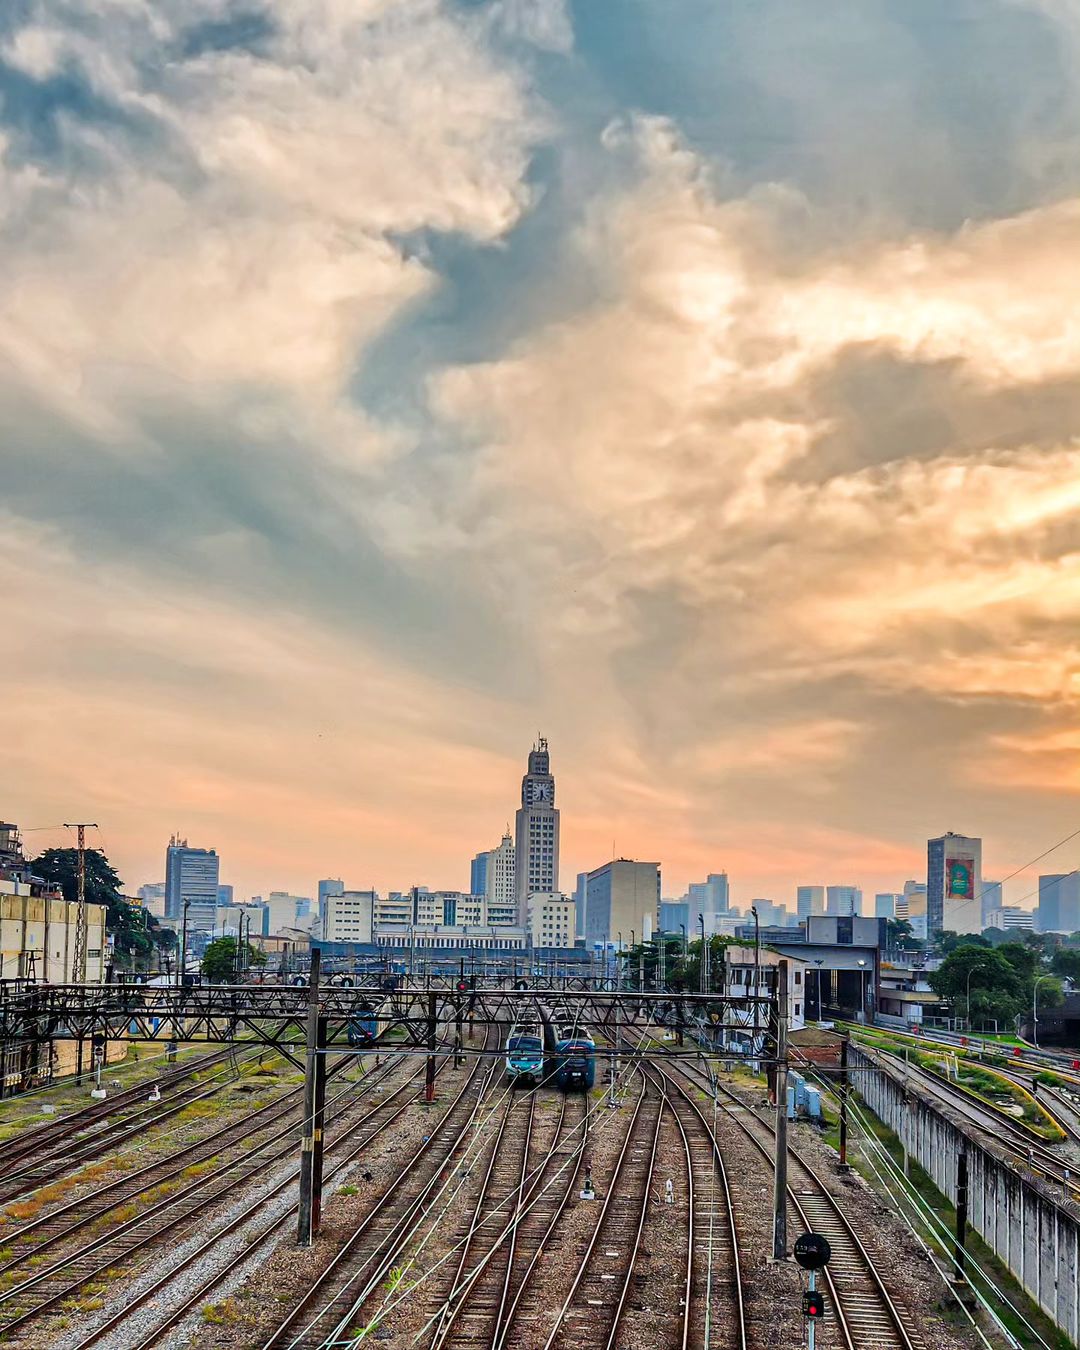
(960, 879)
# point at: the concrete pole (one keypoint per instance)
(311, 1145)
(780, 1161)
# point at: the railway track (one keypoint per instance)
(331, 1309)
(93, 1126)
(593, 1308)
(860, 1312)
(190, 1182)
(341, 1152)
(709, 1300)
(59, 1157)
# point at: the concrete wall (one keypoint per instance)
(1020, 1217)
(45, 930)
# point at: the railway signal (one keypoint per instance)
(812, 1252)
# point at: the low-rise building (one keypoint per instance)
(755, 970)
(349, 917)
(551, 920)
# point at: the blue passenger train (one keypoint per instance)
(524, 1056)
(576, 1060)
(363, 1027)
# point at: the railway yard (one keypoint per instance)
(486, 1212)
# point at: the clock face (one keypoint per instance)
(541, 792)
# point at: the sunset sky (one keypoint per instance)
(695, 382)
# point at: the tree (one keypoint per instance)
(135, 932)
(220, 960)
(900, 937)
(1066, 962)
(948, 941)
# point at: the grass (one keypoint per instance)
(348, 1190)
(225, 1313)
(993, 1088)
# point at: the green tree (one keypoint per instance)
(219, 963)
(948, 941)
(1066, 962)
(134, 931)
(899, 936)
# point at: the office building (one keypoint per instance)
(809, 900)
(843, 901)
(1011, 917)
(478, 873)
(1059, 903)
(536, 842)
(191, 881)
(912, 903)
(580, 892)
(711, 898)
(152, 898)
(885, 903)
(551, 920)
(623, 897)
(349, 917)
(674, 916)
(328, 886)
(224, 895)
(953, 885)
(993, 898)
(500, 881)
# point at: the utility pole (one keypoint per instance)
(843, 1165)
(780, 1161)
(961, 1214)
(433, 1031)
(311, 1145)
(78, 964)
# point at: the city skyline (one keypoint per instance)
(696, 382)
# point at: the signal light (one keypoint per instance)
(462, 986)
(813, 1303)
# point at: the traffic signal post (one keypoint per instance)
(812, 1252)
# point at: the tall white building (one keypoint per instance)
(191, 883)
(623, 902)
(843, 900)
(500, 894)
(809, 900)
(885, 904)
(536, 837)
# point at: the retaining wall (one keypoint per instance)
(1026, 1224)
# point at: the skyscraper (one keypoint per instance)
(953, 884)
(809, 900)
(623, 897)
(711, 897)
(993, 898)
(885, 903)
(478, 873)
(191, 876)
(536, 838)
(843, 900)
(1059, 903)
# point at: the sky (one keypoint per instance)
(694, 382)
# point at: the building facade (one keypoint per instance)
(349, 917)
(1059, 903)
(885, 903)
(500, 888)
(1011, 917)
(674, 916)
(536, 836)
(328, 886)
(993, 898)
(843, 901)
(710, 898)
(623, 897)
(191, 879)
(809, 900)
(551, 920)
(478, 873)
(953, 885)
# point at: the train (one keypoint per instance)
(569, 1051)
(363, 1026)
(524, 1055)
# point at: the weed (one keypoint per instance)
(348, 1190)
(221, 1314)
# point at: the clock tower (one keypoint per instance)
(536, 839)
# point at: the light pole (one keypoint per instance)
(757, 970)
(819, 961)
(703, 973)
(862, 988)
(967, 996)
(181, 965)
(1035, 1008)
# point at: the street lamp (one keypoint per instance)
(181, 965)
(703, 973)
(862, 988)
(685, 942)
(967, 996)
(1035, 1008)
(819, 961)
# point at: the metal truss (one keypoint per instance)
(276, 1015)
